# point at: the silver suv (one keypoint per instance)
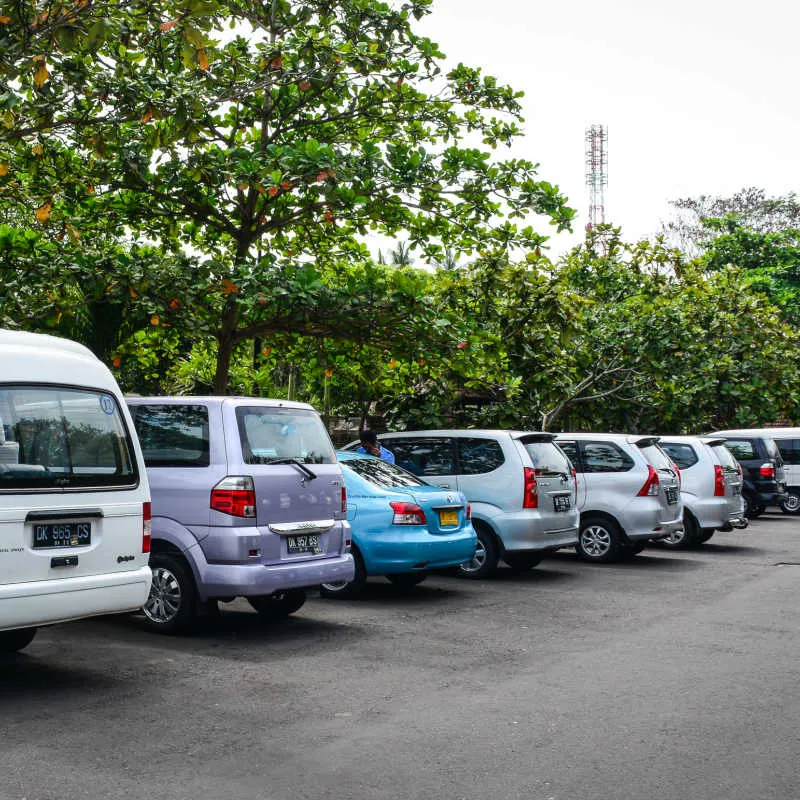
(520, 486)
(711, 488)
(628, 493)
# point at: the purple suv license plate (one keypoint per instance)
(302, 544)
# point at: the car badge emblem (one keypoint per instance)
(449, 498)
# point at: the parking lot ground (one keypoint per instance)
(671, 676)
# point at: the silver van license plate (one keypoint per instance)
(62, 534)
(561, 502)
(302, 544)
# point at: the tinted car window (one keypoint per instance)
(423, 456)
(548, 459)
(772, 448)
(681, 453)
(790, 450)
(61, 438)
(478, 456)
(657, 457)
(571, 451)
(743, 449)
(382, 473)
(269, 435)
(726, 459)
(173, 436)
(605, 457)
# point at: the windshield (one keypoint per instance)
(271, 434)
(62, 438)
(382, 473)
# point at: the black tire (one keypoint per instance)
(751, 509)
(791, 503)
(13, 641)
(683, 540)
(522, 562)
(347, 588)
(272, 607)
(407, 580)
(599, 540)
(484, 562)
(172, 604)
(705, 535)
(633, 549)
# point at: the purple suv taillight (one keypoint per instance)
(235, 495)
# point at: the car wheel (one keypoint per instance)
(172, 604)
(751, 509)
(347, 588)
(406, 580)
(705, 534)
(791, 503)
(484, 562)
(634, 548)
(522, 562)
(599, 540)
(682, 540)
(12, 641)
(279, 605)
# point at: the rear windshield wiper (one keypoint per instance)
(295, 463)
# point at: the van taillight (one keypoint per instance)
(469, 511)
(719, 481)
(147, 526)
(344, 500)
(407, 514)
(575, 483)
(235, 495)
(767, 471)
(650, 488)
(530, 492)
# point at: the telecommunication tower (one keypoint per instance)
(596, 173)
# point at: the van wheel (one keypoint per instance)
(791, 503)
(484, 562)
(12, 641)
(705, 535)
(682, 540)
(522, 562)
(279, 605)
(347, 588)
(751, 509)
(406, 580)
(172, 604)
(599, 540)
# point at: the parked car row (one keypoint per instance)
(172, 505)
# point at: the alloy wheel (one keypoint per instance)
(595, 541)
(165, 597)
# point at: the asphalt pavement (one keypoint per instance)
(671, 676)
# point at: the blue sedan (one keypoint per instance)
(401, 526)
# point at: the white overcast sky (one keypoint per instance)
(699, 97)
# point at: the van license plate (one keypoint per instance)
(561, 502)
(672, 494)
(62, 534)
(448, 517)
(302, 544)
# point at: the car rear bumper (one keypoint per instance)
(714, 512)
(407, 551)
(526, 531)
(658, 529)
(38, 603)
(252, 580)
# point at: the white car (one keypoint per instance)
(628, 493)
(74, 498)
(711, 488)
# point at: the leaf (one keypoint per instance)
(148, 115)
(202, 59)
(41, 75)
(37, 149)
(43, 212)
(5, 20)
(3, 170)
(154, 320)
(229, 287)
(168, 26)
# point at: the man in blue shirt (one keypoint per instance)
(371, 445)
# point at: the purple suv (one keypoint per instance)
(247, 500)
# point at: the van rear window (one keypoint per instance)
(272, 434)
(59, 438)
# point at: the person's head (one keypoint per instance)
(369, 441)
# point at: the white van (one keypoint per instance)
(74, 499)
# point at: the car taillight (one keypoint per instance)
(575, 483)
(719, 481)
(407, 514)
(766, 471)
(469, 511)
(677, 471)
(147, 526)
(344, 500)
(650, 488)
(235, 495)
(530, 495)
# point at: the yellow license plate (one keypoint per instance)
(448, 517)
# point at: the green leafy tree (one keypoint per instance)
(265, 140)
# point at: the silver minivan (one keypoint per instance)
(520, 486)
(711, 488)
(628, 493)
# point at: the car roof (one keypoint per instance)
(631, 438)
(710, 440)
(236, 400)
(766, 433)
(43, 340)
